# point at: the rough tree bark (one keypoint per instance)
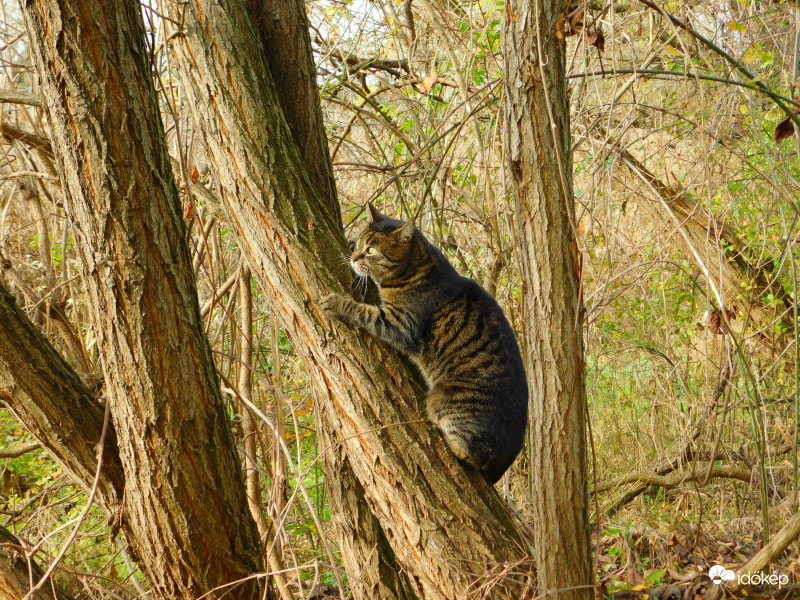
(540, 161)
(366, 554)
(172, 429)
(449, 532)
(45, 394)
(294, 73)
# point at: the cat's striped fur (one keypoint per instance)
(453, 330)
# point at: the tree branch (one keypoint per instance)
(675, 479)
(12, 132)
(19, 450)
(49, 398)
(14, 97)
(661, 73)
(756, 84)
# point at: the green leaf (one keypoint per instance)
(655, 577)
(750, 56)
(736, 26)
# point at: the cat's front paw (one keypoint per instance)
(333, 305)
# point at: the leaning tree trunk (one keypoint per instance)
(538, 150)
(292, 68)
(49, 398)
(172, 429)
(449, 531)
(736, 282)
(366, 553)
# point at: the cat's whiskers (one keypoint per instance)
(360, 285)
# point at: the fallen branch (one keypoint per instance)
(770, 551)
(675, 479)
(728, 273)
(688, 455)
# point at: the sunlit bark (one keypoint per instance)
(448, 530)
(186, 511)
(538, 149)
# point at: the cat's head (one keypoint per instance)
(383, 247)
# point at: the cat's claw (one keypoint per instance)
(331, 305)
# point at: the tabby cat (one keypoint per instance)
(453, 330)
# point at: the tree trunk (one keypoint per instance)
(46, 395)
(49, 398)
(368, 558)
(294, 73)
(172, 428)
(449, 531)
(538, 150)
(366, 553)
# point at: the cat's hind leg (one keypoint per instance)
(462, 431)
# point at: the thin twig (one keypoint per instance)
(100, 446)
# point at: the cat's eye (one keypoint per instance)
(370, 251)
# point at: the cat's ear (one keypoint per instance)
(373, 214)
(406, 231)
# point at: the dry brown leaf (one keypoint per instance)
(428, 82)
(633, 577)
(784, 129)
(188, 210)
(715, 322)
(597, 39)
